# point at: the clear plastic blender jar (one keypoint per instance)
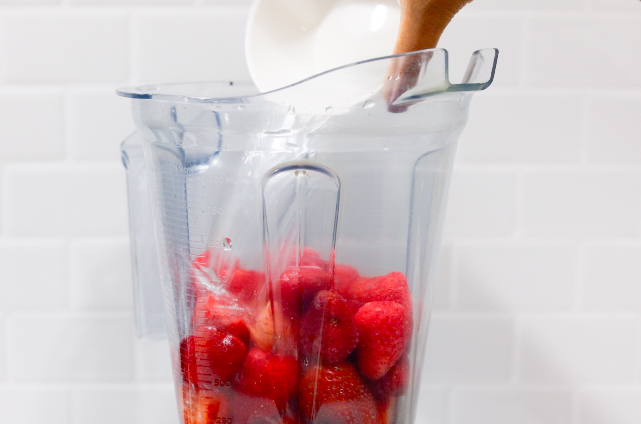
(287, 242)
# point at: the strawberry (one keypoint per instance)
(262, 331)
(205, 406)
(299, 285)
(211, 357)
(384, 330)
(204, 259)
(249, 409)
(268, 375)
(387, 410)
(188, 361)
(392, 286)
(246, 284)
(209, 270)
(344, 277)
(336, 394)
(395, 382)
(308, 257)
(327, 328)
(222, 311)
(212, 269)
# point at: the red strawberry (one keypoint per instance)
(344, 277)
(211, 357)
(299, 285)
(395, 382)
(188, 359)
(205, 406)
(221, 310)
(327, 328)
(209, 270)
(249, 409)
(336, 394)
(269, 375)
(308, 257)
(392, 286)
(246, 284)
(387, 410)
(384, 330)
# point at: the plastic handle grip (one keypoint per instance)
(148, 296)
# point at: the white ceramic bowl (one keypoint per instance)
(290, 40)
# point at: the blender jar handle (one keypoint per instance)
(148, 297)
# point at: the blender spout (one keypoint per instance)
(480, 70)
(417, 76)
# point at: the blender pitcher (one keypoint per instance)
(295, 235)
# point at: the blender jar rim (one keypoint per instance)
(175, 92)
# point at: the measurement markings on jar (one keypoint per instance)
(210, 210)
(214, 179)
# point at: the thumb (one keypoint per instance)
(423, 22)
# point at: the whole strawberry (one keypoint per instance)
(268, 375)
(392, 286)
(307, 257)
(210, 357)
(384, 330)
(328, 329)
(221, 310)
(336, 394)
(246, 284)
(298, 285)
(210, 270)
(395, 382)
(344, 277)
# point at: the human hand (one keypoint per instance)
(423, 22)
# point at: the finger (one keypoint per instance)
(423, 22)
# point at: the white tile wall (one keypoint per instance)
(470, 349)
(581, 203)
(506, 133)
(194, 48)
(34, 274)
(70, 347)
(562, 349)
(587, 51)
(610, 276)
(612, 136)
(514, 276)
(97, 123)
(65, 199)
(140, 405)
(42, 142)
(482, 204)
(523, 405)
(609, 405)
(18, 404)
(79, 46)
(538, 309)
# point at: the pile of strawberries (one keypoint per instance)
(322, 345)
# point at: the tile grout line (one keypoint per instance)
(517, 351)
(579, 279)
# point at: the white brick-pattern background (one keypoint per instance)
(537, 317)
